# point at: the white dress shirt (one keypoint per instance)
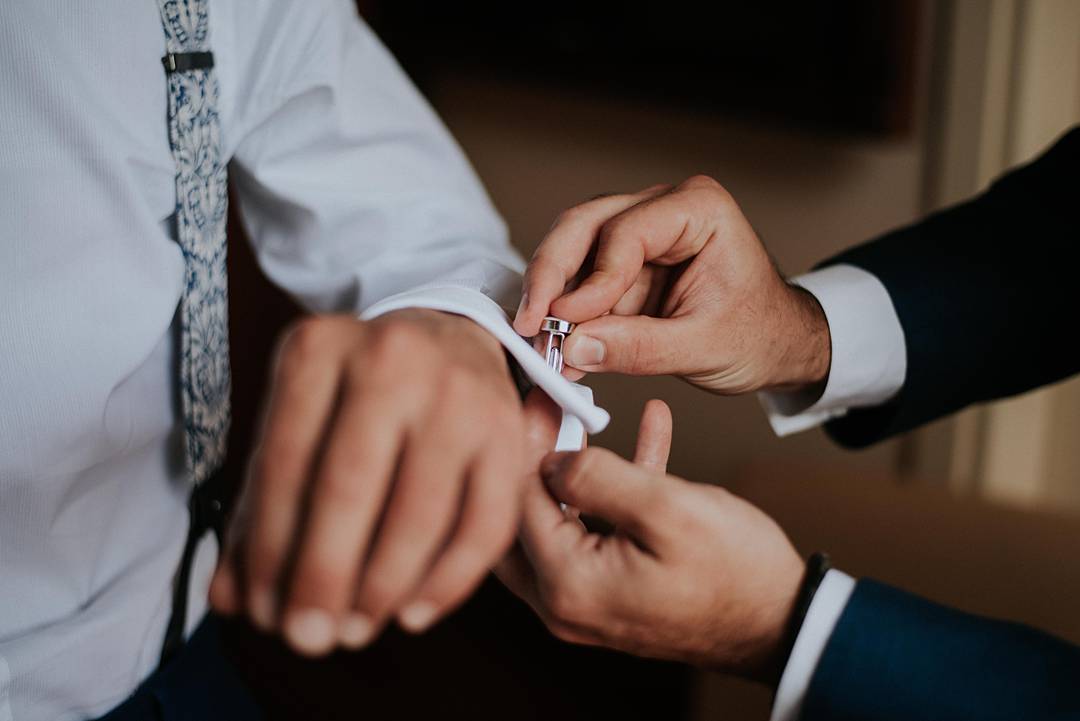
(353, 193)
(869, 362)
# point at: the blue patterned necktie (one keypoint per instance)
(201, 206)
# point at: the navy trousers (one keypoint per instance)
(197, 684)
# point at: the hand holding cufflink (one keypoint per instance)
(674, 281)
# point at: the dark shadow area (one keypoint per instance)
(841, 66)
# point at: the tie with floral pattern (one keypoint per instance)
(201, 206)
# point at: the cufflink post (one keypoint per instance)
(557, 329)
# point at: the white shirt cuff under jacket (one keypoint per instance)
(489, 315)
(869, 355)
(821, 618)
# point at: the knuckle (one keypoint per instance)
(665, 503)
(715, 194)
(275, 461)
(458, 387)
(428, 510)
(341, 488)
(684, 508)
(574, 214)
(619, 230)
(702, 182)
(398, 342)
(306, 339)
(586, 212)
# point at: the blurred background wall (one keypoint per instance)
(829, 123)
(584, 101)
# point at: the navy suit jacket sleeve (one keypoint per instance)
(897, 657)
(986, 293)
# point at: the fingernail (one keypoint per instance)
(263, 607)
(356, 631)
(417, 616)
(584, 350)
(553, 463)
(310, 631)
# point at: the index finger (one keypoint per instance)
(665, 228)
(562, 252)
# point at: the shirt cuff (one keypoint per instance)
(821, 618)
(487, 314)
(869, 354)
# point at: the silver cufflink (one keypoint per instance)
(557, 329)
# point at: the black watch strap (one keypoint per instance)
(816, 567)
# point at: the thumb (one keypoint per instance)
(654, 436)
(603, 485)
(631, 344)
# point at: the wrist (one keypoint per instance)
(469, 342)
(805, 353)
(770, 649)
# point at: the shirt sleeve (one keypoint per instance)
(869, 358)
(821, 618)
(349, 185)
(357, 198)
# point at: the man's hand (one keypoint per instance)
(675, 281)
(387, 480)
(691, 573)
